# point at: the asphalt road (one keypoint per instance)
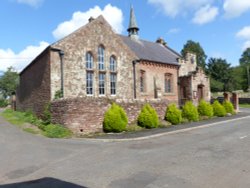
(216, 156)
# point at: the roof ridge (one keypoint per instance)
(143, 40)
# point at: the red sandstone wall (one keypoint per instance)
(34, 88)
(157, 71)
(85, 115)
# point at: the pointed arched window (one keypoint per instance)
(112, 63)
(101, 54)
(89, 73)
(89, 60)
(113, 75)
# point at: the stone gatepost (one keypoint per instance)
(13, 101)
(226, 96)
(236, 102)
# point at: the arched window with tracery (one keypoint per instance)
(89, 73)
(101, 59)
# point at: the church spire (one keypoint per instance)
(132, 28)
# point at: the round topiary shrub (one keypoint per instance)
(228, 107)
(219, 110)
(190, 112)
(173, 114)
(115, 119)
(205, 109)
(148, 117)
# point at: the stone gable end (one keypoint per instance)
(87, 39)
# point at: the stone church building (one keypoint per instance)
(94, 66)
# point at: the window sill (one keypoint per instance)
(90, 95)
(102, 71)
(144, 94)
(168, 94)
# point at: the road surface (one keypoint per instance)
(216, 156)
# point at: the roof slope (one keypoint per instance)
(152, 51)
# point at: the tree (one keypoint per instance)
(238, 81)
(245, 58)
(195, 47)
(220, 73)
(245, 64)
(8, 82)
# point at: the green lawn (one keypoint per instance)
(30, 123)
(245, 105)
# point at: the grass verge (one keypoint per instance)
(30, 123)
(244, 105)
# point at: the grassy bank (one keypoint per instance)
(244, 105)
(30, 123)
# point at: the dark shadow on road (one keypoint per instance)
(46, 182)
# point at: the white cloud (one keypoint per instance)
(173, 31)
(22, 59)
(33, 3)
(246, 45)
(205, 14)
(244, 34)
(235, 8)
(111, 13)
(174, 8)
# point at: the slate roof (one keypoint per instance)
(152, 51)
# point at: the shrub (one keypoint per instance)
(173, 114)
(56, 131)
(3, 103)
(29, 117)
(190, 112)
(205, 109)
(115, 119)
(50, 130)
(219, 110)
(148, 117)
(47, 114)
(228, 107)
(58, 94)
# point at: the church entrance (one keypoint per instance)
(200, 93)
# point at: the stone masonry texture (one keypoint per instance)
(85, 115)
(88, 39)
(82, 113)
(33, 93)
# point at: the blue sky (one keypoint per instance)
(28, 26)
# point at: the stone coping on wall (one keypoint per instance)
(86, 114)
(112, 100)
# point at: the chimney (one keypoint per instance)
(91, 19)
(161, 41)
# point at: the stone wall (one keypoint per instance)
(200, 79)
(85, 115)
(87, 39)
(33, 92)
(155, 79)
(185, 89)
(197, 86)
(188, 64)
